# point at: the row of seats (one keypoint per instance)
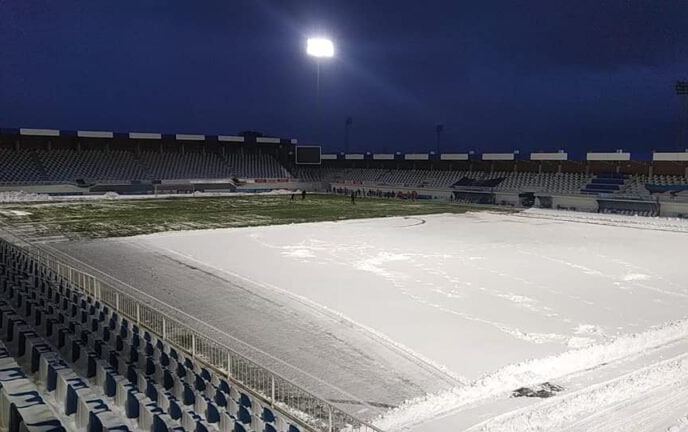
(533, 182)
(305, 174)
(636, 187)
(29, 166)
(74, 398)
(628, 212)
(256, 166)
(19, 167)
(38, 166)
(396, 177)
(185, 166)
(565, 183)
(544, 182)
(21, 406)
(109, 374)
(69, 165)
(606, 183)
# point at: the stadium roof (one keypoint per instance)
(561, 155)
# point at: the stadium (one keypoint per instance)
(155, 281)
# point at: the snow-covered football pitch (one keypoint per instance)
(595, 305)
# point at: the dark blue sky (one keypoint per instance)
(529, 75)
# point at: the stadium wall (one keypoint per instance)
(288, 185)
(423, 193)
(586, 203)
(59, 189)
(673, 209)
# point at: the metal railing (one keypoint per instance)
(299, 405)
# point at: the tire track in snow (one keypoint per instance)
(597, 273)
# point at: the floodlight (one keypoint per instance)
(320, 47)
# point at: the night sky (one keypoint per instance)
(527, 75)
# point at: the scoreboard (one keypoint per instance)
(308, 155)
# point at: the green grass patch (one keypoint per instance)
(121, 218)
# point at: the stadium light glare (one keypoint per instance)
(320, 47)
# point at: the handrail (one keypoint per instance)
(301, 406)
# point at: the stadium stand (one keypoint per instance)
(605, 183)
(164, 166)
(306, 174)
(66, 165)
(70, 165)
(248, 165)
(532, 182)
(106, 166)
(564, 183)
(20, 167)
(100, 371)
(21, 406)
(637, 186)
(353, 174)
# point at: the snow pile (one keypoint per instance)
(660, 223)
(530, 373)
(14, 213)
(542, 391)
(20, 196)
(588, 406)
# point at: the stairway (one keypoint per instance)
(39, 166)
(605, 183)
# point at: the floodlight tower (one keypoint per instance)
(347, 132)
(681, 88)
(439, 128)
(320, 48)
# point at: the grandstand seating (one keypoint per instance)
(65, 166)
(19, 167)
(530, 182)
(306, 174)
(100, 166)
(165, 166)
(91, 369)
(605, 183)
(636, 186)
(70, 165)
(645, 213)
(564, 183)
(21, 405)
(248, 165)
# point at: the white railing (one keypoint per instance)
(301, 406)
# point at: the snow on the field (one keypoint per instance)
(641, 222)
(20, 196)
(14, 213)
(641, 400)
(498, 300)
(535, 371)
